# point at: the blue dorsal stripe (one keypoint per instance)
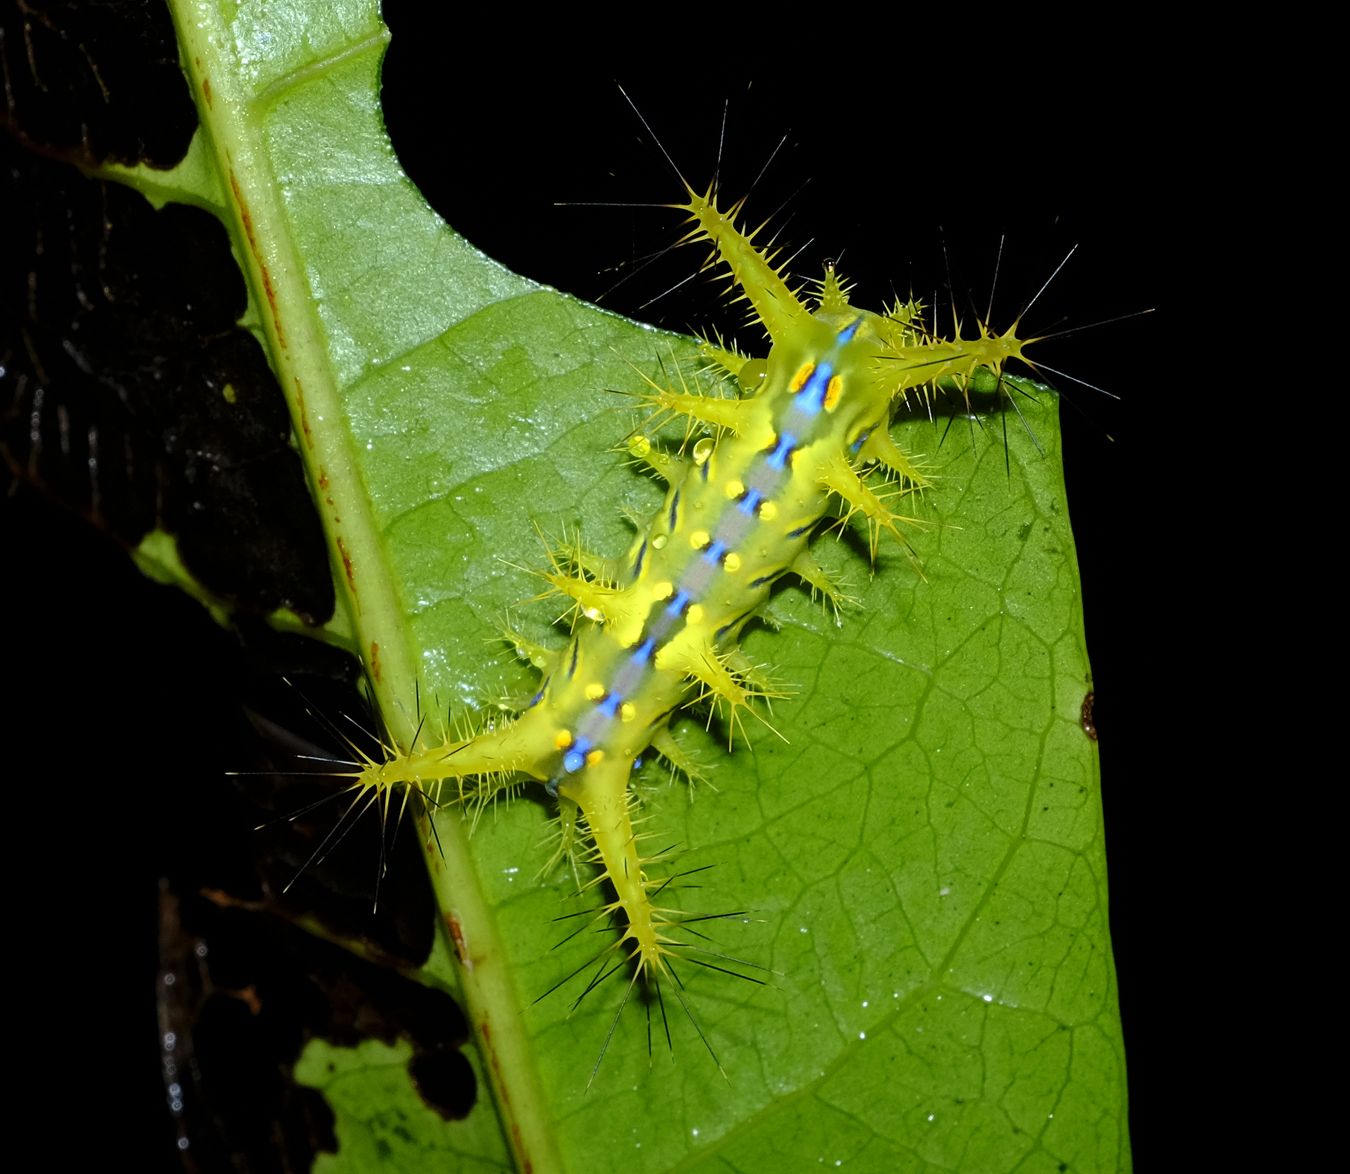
(778, 458)
(610, 705)
(678, 604)
(715, 552)
(750, 502)
(644, 651)
(812, 397)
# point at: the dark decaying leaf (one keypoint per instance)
(128, 390)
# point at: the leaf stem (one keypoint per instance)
(224, 58)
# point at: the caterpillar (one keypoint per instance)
(659, 629)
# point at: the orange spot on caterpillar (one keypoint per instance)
(798, 381)
(832, 392)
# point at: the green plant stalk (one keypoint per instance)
(287, 318)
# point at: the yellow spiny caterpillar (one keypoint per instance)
(659, 629)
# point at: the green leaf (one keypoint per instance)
(920, 853)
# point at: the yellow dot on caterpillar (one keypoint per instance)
(659, 542)
(563, 739)
(699, 539)
(595, 691)
(768, 510)
(695, 614)
(732, 563)
(832, 391)
(627, 711)
(639, 446)
(799, 379)
(704, 449)
(735, 489)
(595, 758)
(663, 590)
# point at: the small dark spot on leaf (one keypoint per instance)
(1089, 727)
